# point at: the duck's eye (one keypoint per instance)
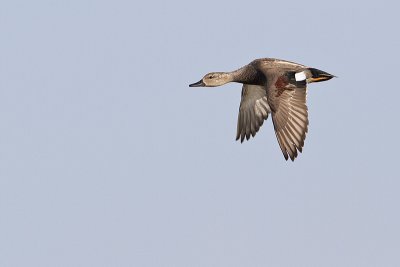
(211, 77)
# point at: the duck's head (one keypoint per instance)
(213, 79)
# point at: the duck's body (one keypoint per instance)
(272, 86)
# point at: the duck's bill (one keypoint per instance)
(198, 84)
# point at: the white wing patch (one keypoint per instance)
(300, 76)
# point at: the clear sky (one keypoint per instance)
(108, 158)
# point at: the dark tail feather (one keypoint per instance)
(319, 75)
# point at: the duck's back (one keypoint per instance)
(273, 63)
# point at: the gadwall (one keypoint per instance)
(272, 86)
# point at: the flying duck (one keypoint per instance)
(272, 86)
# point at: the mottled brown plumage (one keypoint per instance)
(272, 86)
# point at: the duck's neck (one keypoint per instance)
(247, 75)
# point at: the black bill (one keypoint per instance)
(198, 84)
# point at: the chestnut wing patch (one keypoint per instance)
(289, 81)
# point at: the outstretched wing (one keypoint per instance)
(254, 109)
(287, 99)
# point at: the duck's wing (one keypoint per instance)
(287, 92)
(254, 109)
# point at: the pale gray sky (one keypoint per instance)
(108, 158)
